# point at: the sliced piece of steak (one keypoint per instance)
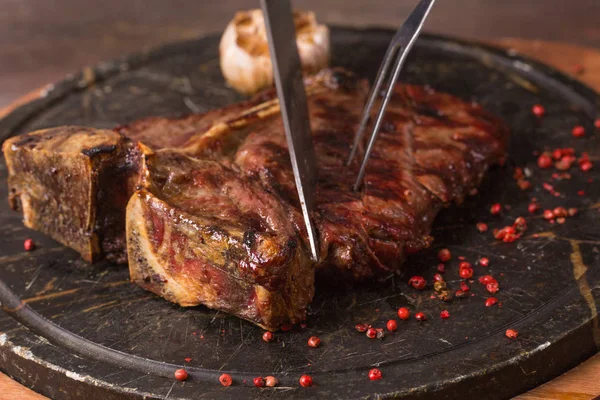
(73, 184)
(200, 233)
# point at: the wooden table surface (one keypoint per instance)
(41, 41)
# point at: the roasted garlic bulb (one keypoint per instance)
(244, 50)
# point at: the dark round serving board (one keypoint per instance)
(549, 284)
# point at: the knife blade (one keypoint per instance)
(287, 71)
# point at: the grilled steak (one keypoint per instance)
(199, 233)
(73, 184)
(215, 219)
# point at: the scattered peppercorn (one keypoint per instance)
(361, 327)
(544, 161)
(578, 131)
(485, 279)
(438, 277)
(524, 184)
(28, 244)
(533, 207)
(512, 333)
(492, 287)
(548, 187)
(538, 110)
(548, 214)
(484, 261)
(460, 294)
(491, 301)
(181, 375)
(466, 272)
(572, 212)
(392, 325)
(306, 381)
(371, 333)
(259, 382)
(268, 336)
(225, 379)
(271, 381)
(557, 154)
(464, 286)
(445, 314)
(418, 282)
(482, 227)
(441, 268)
(564, 164)
(597, 123)
(375, 374)
(444, 255)
(560, 212)
(314, 341)
(420, 316)
(518, 173)
(187, 359)
(586, 165)
(403, 313)
(495, 209)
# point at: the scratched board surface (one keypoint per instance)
(549, 282)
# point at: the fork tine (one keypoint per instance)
(383, 71)
(388, 95)
(403, 40)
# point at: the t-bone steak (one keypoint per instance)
(213, 215)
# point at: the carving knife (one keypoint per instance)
(287, 71)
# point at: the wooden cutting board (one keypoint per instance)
(585, 64)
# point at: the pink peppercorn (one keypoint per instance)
(482, 227)
(392, 325)
(403, 313)
(538, 110)
(495, 209)
(181, 375)
(578, 131)
(491, 301)
(444, 255)
(512, 333)
(375, 374)
(28, 244)
(544, 161)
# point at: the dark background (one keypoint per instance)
(42, 40)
